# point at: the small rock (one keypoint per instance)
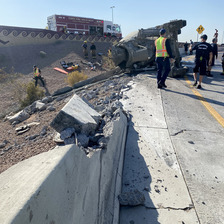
(67, 133)
(43, 131)
(51, 108)
(116, 105)
(32, 137)
(7, 149)
(156, 188)
(106, 100)
(47, 99)
(99, 108)
(33, 124)
(22, 131)
(83, 140)
(57, 138)
(2, 145)
(103, 142)
(22, 128)
(132, 198)
(40, 106)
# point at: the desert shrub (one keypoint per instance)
(107, 62)
(75, 77)
(32, 94)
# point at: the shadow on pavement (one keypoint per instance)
(198, 97)
(136, 176)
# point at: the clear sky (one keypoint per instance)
(130, 14)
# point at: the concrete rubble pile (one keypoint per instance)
(86, 125)
(94, 135)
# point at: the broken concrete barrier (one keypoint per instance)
(77, 114)
(62, 91)
(65, 186)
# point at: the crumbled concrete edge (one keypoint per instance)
(27, 196)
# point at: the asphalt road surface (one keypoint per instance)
(174, 151)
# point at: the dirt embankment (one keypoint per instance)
(13, 147)
(22, 59)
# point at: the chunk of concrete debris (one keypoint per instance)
(43, 131)
(131, 198)
(67, 133)
(22, 129)
(83, 140)
(40, 106)
(57, 138)
(47, 99)
(76, 114)
(19, 117)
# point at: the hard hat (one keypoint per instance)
(162, 31)
(85, 41)
(205, 37)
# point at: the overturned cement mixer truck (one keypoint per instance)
(135, 52)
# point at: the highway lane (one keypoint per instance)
(172, 134)
(198, 139)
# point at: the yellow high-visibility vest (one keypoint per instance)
(36, 72)
(161, 47)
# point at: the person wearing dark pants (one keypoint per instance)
(37, 75)
(93, 50)
(215, 55)
(203, 58)
(85, 50)
(163, 56)
(161, 78)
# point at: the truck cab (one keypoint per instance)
(113, 30)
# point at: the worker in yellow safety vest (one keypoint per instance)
(37, 75)
(163, 58)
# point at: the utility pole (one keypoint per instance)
(112, 7)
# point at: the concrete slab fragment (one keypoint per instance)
(76, 113)
(19, 117)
